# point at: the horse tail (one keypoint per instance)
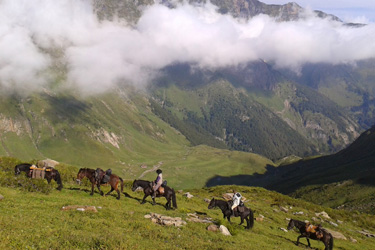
(330, 242)
(58, 180)
(174, 198)
(122, 184)
(251, 218)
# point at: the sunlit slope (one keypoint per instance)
(116, 131)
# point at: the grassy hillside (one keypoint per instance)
(351, 87)
(36, 220)
(252, 108)
(345, 179)
(231, 117)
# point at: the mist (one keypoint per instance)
(40, 38)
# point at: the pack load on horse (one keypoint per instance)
(32, 171)
(99, 177)
(38, 173)
(243, 212)
(310, 231)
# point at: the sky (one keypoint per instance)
(362, 11)
(99, 55)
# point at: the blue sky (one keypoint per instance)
(347, 10)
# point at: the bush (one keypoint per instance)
(7, 179)
(67, 172)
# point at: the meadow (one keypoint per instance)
(31, 219)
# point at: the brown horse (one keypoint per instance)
(326, 237)
(98, 177)
(50, 173)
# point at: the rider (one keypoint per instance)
(236, 200)
(157, 183)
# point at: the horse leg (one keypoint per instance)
(118, 194)
(301, 236)
(228, 218)
(101, 192)
(168, 204)
(144, 199)
(110, 191)
(242, 220)
(92, 188)
(308, 241)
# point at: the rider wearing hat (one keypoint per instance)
(157, 183)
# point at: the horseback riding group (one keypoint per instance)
(158, 188)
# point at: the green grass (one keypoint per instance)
(37, 221)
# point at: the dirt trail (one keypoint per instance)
(151, 170)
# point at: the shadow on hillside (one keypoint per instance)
(66, 108)
(294, 242)
(258, 180)
(148, 199)
(286, 179)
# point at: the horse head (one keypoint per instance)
(135, 185)
(79, 176)
(212, 204)
(290, 224)
(17, 171)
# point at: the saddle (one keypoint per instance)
(241, 207)
(103, 178)
(161, 190)
(317, 230)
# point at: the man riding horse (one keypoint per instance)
(155, 185)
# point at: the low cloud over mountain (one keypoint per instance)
(35, 36)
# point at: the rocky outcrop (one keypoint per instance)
(80, 208)
(165, 220)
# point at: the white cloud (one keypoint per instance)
(100, 55)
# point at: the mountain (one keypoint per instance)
(130, 11)
(190, 119)
(349, 86)
(113, 130)
(254, 108)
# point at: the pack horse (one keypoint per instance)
(34, 172)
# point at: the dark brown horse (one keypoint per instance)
(50, 173)
(225, 207)
(326, 237)
(169, 193)
(97, 177)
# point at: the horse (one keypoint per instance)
(169, 193)
(23, 167)
(225, 207)
(90, 174)
(50, 173)
(327, 238)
